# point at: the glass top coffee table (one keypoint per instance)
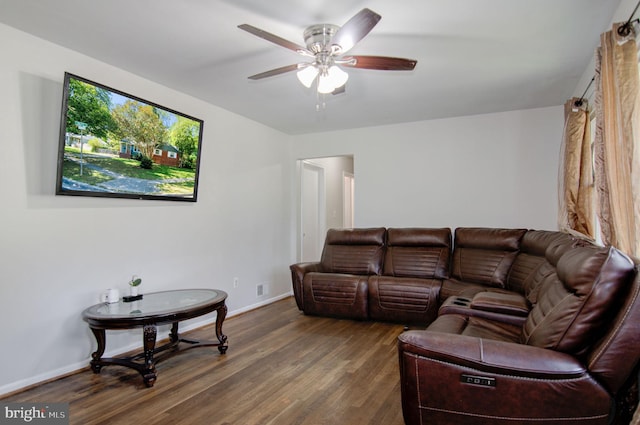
(156, 308)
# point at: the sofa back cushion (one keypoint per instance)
(354, 251)
(531, 266)
(579, 299)
(483, 255)
(418, 252)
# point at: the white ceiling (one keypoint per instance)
(474, 56)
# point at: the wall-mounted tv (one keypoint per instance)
(113, 144)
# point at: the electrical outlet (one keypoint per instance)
(260, 290)
(235, 282)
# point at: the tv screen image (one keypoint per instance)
(113, 144)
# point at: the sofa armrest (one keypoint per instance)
(447, 378)
(491, 356)
(297, 276)
(501, 302)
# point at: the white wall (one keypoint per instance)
(497, 170)
(57, 253)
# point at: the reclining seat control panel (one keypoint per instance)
(482, 381)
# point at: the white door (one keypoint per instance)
(347, 200)
(312, 215)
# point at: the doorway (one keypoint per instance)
(326, 201)
(348, 186)
(312, 209)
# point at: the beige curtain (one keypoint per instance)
(616, 144)
(576, 171)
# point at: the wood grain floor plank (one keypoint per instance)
(282, 367)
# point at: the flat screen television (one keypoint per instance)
(113, 144)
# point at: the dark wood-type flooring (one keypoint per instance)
(282, 367)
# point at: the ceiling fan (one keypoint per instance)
(327, 45)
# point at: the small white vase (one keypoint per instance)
(134, 290)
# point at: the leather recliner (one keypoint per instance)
(338, 285)
(568, 356)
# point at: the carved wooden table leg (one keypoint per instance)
(149, 341)
(221, 314)
(173, 334)
(96, 356)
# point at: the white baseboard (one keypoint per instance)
(260, 304)
(46, 376)
(77, 366)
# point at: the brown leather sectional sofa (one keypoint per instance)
(520, 326)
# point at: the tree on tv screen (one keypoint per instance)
(184, 135)
(90, 105)
(141, 124)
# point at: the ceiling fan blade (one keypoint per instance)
(354, 30)
(384, 63)
(276, 71)
(275, 39)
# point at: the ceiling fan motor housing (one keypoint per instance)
(317, 37)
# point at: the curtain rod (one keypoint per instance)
(580, 101)
(623, 30)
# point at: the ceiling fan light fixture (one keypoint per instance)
(332, 79)
(307, 75)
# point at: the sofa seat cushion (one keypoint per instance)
(477, 327)
(337, 295)
(403, 300)
(418, 252)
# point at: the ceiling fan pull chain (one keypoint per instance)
(321, 105)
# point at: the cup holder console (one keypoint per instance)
(456, 305)
(461, 301)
